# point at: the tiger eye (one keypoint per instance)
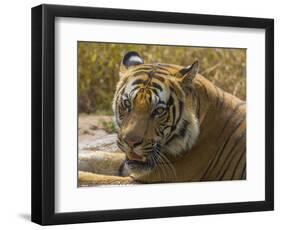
(127, 103)
(158, 111)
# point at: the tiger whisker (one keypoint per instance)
(170, 165)
(155, 163)
(167, 164)
(163, 165)
(159, 161)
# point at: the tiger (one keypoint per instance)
(173, 125)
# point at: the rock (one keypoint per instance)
(105, 143)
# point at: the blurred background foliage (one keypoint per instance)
(98, 68)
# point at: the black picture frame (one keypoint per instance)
(43, 113)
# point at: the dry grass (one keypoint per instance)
(98, 67)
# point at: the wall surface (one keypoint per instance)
(15, 114)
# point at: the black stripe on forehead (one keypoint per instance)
(163, 70)
(133, 90)
(155, 92)
(141, 70)
(140, 81)
(157, 86)
(159, 78)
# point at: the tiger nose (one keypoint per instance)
(132, 141)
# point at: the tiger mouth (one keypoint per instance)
(140, 165)
(134, 156)
(136, 162)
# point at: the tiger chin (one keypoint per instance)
(176, 126)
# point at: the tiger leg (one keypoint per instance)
(102, 168)
(101, 162)
(88, 178)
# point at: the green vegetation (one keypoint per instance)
(98, 67)
(108, 126)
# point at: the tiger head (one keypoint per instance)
(154, 111)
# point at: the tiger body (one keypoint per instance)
(175, 126)
(220, 150)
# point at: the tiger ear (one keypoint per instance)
(187, 74)
(130, 59)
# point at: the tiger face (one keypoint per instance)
(154, 112)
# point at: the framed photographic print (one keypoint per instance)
(142, 114)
